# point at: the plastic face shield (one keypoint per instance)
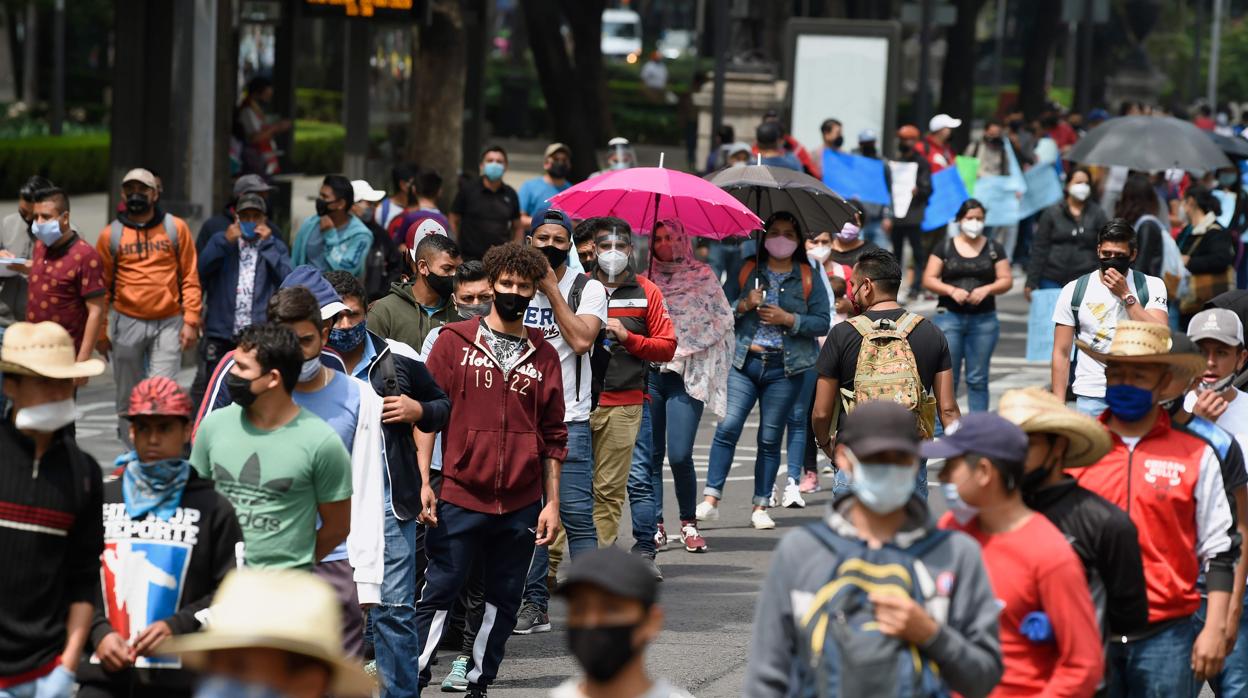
(620, 157)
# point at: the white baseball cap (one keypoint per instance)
(363, 191)
(942, 121)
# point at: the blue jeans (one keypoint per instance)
(761, 379)
(642, 503)
(58, 683)
(972, 337)
(799, 425)
(576, 511)
(1091, 406)
(393, 621)
(873, 232)
(1233, 681)
(672, 418)
(1156, 667)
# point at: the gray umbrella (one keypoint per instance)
(1233, 146)
(766, 190)
(1149, 144)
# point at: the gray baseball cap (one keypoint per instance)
(251, 184)
(251, 201)
(1218, 324)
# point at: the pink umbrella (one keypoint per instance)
(644, 195)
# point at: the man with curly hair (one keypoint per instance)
(500, 467)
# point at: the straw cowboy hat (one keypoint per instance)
(1147, 343)
(43, 349)
(288, 610)
(1037, 411)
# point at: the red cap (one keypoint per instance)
(159, 396)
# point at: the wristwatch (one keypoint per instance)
(1130, 300)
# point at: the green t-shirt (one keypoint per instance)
(275, 480)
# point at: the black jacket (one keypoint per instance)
(50, 538)
(1065, 247)
(1108, 545)
(206, 529)
(1211, 253)
(412, 379)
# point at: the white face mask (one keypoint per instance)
(972, 228)
(820, 253)
(47, 417)
(612, 262)
(1080, 191)
(310, 369)
(962, 512)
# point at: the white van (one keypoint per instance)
(621, 35)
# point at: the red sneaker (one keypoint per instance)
(660, 537)
(689, 536)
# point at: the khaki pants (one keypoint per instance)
(615, 431)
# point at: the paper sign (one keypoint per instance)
(1227, 199)
(1040, 323)
(948, 193)
(1044, 189)
(968, 167)
(904, 174)
(855, 177)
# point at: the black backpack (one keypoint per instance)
(599, 355)
(383, 265)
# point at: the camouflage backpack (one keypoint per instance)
(887, 369)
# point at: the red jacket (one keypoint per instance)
(1171, 486)
(938, 155)
(502, 425)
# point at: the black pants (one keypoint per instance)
(914, 234)
(465, 618)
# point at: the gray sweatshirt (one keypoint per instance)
(966, 648)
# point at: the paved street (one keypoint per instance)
(709, 598)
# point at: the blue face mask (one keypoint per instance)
(47, 232)
(226, 687)
(249, 229)
(882, 487)
(493, 171)
(1127, 402)
(348, 339)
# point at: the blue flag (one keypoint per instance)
(1044, 189)
(948, 193)
(855, 177)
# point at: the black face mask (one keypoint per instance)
(905, 148)
(239, 389)
(998, 141)
(137, 203)
(1017, 125)
(322, 207)
(559, 170)
(1117, 263)
(603, 651)
(838, 141)
(510, 306)
(867, 150)
(1034, 480)
(441, 285)
(554, 255)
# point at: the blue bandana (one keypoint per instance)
(154, 487)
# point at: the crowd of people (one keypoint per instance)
(403, 421)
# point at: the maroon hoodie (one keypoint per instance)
(501, 425)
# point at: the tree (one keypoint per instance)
(1032, 86)
(957, 81)
(574, 85)
(439, 74)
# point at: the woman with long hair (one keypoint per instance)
(1138, 205)
(781, 312)
(695, 379)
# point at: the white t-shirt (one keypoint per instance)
(1098, 318)
(1234, 419)
(540, 315)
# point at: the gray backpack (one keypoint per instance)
(114, 247)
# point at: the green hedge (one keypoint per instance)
(79, 163)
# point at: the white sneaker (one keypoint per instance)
(761, 520)
(793, 496)
(772, 503)
(707, 511)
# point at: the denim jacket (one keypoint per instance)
(801, 345)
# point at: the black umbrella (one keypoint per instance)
(1233, 146)
(766, 190)
(1149, 144)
